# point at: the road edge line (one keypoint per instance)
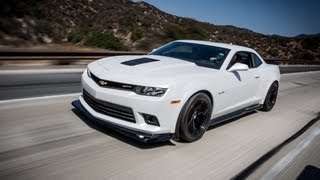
(42, 71)
(38, 98)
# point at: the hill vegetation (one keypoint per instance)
(127, 25)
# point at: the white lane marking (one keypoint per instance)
(298, 73)
(41, 71)
(38, 98)
(284, 162)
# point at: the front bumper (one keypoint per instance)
(160, 107)
(137, 135)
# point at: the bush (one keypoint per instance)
(77, 35)
(273, 52)
(307, 56)
(144, 45)
(310, 43)
(19, 8)
(107, 41)
(137, 34)
(192, 31)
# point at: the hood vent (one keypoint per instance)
(138, 61)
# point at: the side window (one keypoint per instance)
(241, 57)
(256, 61)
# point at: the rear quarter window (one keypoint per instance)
(256, 61)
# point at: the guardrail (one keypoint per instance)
(62, 55)
(295, 62)
(93, 55)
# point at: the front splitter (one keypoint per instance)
(136, 135)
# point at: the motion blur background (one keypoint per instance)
(287, 30)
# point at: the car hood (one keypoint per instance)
(151, 68)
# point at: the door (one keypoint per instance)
(239, 88)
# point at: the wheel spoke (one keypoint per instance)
(194, 131)
(191, 120)
(205, 112)
(199, 106)
(192, 126)
(197, 117)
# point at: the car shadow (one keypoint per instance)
(116, 135)
(232, 120)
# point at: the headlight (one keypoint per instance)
(149, 91)
(89, 73)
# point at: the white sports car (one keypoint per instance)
(178, 90)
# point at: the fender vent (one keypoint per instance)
(139, 61)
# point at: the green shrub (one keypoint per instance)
(273, 52)
(306, 55)
(310, 43)
(144, 45)
(137, 34)
(107, 41)
(19, 8)
(77, 35)
(192, 31)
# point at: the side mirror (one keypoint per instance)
(238, 67)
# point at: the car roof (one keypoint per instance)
(223, 45)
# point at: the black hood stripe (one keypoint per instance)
(139, 61)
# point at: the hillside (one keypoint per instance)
(126, 25)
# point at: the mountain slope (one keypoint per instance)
(126, 25)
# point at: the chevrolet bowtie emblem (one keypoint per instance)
(103, 83)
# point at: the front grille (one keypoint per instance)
(112, 84)
(109, 109)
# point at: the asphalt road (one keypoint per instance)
(289, 162)
(45, 138)
(24, 83)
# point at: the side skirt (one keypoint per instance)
(234, 114)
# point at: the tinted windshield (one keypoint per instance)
(202, 55)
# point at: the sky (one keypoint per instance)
(281, 17)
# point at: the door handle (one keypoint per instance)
(256, 76)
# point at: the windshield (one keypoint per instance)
(201, 55)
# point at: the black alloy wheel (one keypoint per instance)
(271, 97)
(195, 117)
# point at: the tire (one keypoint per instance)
(194, 117)
(271, 97)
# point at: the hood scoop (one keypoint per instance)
(138, 61)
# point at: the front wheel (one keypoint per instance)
(194, 117)
(271, 97)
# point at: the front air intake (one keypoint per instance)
(109, 109)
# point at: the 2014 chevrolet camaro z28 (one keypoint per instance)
(178, 90)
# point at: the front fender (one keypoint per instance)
(184, 93)
(271, 75)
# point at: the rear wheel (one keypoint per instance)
(271, 97)
(194, 117)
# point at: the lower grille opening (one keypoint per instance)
(109, 109)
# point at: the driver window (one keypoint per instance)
(241, 57)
